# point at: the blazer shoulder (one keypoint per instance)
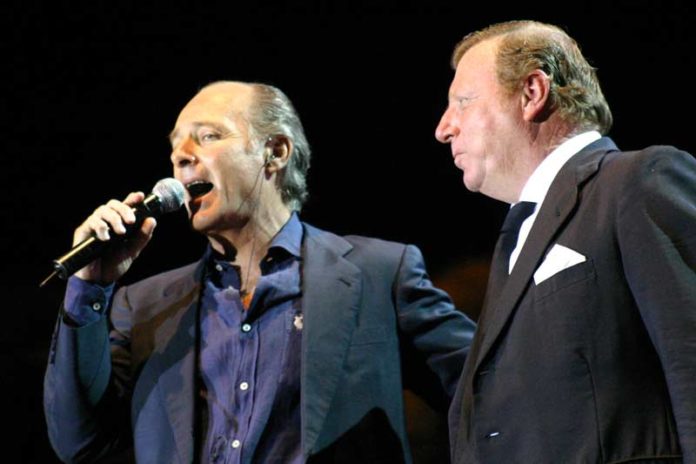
(647, 158)
(376, 246)
(366, 252)
(163, 284)
(384, 257)
(648, 180)
(357, 243)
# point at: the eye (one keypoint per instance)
(208, 135)
(462, 102)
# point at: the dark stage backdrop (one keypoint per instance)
(92, 89)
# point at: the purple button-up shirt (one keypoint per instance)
(250, 359)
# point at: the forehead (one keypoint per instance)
(476, 67)
(218, 102)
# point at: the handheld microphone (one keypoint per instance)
(167, 196)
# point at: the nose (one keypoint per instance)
(445, 130)
(182, 155)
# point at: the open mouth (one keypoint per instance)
(198, 188)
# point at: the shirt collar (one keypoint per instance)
(288, 238)
(541, 179)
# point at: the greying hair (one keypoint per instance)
(274, 114)
(529, 45)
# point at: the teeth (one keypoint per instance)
(198, 188)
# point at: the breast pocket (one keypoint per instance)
(565, 279)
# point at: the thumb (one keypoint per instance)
(143, 236)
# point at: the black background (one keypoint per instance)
(91, 91)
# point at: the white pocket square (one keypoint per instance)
(557, 259)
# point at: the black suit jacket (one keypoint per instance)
(596, 363)
(365, 303)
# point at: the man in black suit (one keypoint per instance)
(586, 347)
(282, 344)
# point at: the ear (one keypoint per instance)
(536, 91)
(277, 153)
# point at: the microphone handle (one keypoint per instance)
(91, 248)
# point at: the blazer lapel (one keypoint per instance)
(330, 299)
(173, 362)
(559, 203)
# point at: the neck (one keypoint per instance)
(541, 141)
(252, 238)
(246, 245)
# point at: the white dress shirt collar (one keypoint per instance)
(538, 184)
(541, 179)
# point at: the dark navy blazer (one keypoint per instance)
(597, 362)
(130, 377)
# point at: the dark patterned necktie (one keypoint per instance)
(511, 227)
(508, 239)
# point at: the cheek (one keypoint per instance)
(479, 123)
(478, 134)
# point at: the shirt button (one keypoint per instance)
(244, 386)
(246, 327)
(218, 267)
(97, 306)
(235, 443)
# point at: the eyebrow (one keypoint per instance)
(196, 125)
(462, 96)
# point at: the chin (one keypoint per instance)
(471, 186)
(200, 223)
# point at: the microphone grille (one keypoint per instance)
(171, 194)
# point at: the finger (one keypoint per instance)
(113, 215)
(147, 230)
(134, 198)
(123, 210)
(97, 225)
(144, 235)
(148, 226)
(84, 231)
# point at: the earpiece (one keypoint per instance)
(270, 156)
(275, 146)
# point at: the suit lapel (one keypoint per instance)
(331, 289)
(174, 360)
(559, 203)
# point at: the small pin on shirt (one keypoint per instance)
(298, 322)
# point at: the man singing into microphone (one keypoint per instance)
(284, 343)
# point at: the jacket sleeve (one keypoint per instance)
(430, 327)
(86, 409)
(657, 237)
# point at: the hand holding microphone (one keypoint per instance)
(107, 243)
